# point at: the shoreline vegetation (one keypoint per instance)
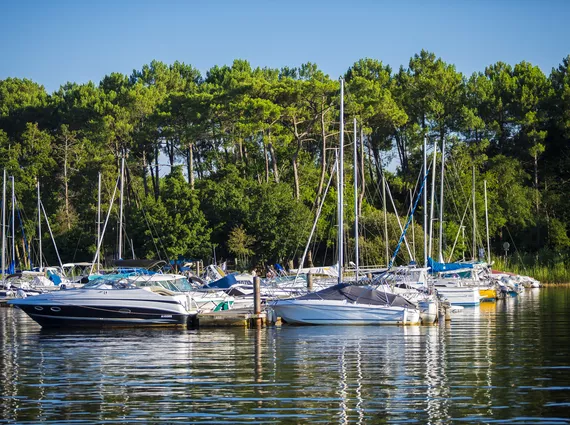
(232, 165)
(551, 273)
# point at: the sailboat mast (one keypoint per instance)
(121, 207)
(98, 215)
(385, 218)
(441, 201)
(40, 226)
(474, 216)
(425, 206)
(13, 224)
(431, 207)
(413, 231)
(4, 227)
(355, 200)
(487, 223)
(341, 186)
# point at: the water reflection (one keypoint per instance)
(503, 362)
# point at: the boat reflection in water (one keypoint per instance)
(486, 366)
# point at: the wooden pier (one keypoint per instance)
(230, 318)
(248, 318)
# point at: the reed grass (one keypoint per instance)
(553, 270)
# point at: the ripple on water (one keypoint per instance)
(505, 363)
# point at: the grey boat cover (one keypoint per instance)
(359, 295)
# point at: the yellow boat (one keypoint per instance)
(488, 294)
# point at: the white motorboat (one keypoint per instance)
(108, 303)
(458, 295)
(201, 300)
(346, 304)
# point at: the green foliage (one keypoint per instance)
(176, 219)
(250, 151)
(240, 244)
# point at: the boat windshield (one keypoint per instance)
(109, 284)
(172, 283)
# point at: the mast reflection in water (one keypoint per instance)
(504, 362)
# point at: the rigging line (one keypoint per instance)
(398, 218)
(52, 238)
(77, 247)
(315, 223)
(26, 245)
(452, 191)
(151, 227)
(465, 196)
(402, 237)
(96, 259)
(457, 236)
(516, 249)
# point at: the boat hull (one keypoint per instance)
(428, 311)
(460, 295)
(488, 294)
(324, 312)
(102, 316)
(96, 308)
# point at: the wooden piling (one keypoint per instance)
(310, 282)
(257, 300)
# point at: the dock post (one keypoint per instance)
(310, 282)
(257, 300)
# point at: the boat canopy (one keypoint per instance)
(223, 283)
(446, 267)
(358, 295)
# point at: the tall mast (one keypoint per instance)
(487, 223)
(474, 216)
(341, 186)
(40, 226)
(356, 200)
(431, 207)
(441, 201)
(121, 207)
(425, 206)
(4, 227)
(385, 218)
(13, 224)
(98, 215)
(413, 231)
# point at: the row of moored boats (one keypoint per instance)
(138, 297)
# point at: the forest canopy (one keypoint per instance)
(238, 160)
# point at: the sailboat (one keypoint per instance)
(345, 303)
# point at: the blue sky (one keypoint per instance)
(52, 42)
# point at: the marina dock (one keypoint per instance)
(232, 318)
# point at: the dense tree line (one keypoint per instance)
(238, 160)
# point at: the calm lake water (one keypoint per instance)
(507, 362)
